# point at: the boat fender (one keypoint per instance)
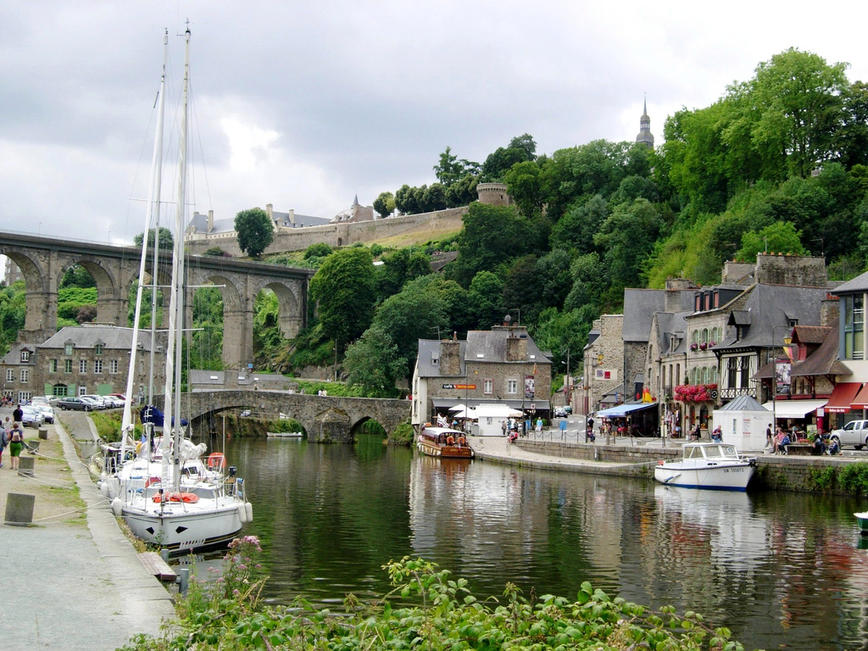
(112, 488)
(242, 513)
(103, 489)
(117, 506)
(248, 508)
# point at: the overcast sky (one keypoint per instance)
(306, 104)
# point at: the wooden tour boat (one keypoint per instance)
(443, 442)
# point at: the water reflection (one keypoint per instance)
(776, 568)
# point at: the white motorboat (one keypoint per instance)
(707, 465)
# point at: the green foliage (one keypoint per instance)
(446, 615)
(823, 478)
(12, 311)
(384, 204)
(207, 349)
(255, 231)
(399, 267)
(402, 435)
(166, 240)
(71, 299)
(373, 363)
(217, 252)
(521, 148)
(284, 425)
(780, 237)
(853, 478)
(344, 290)
(318, 250)
(77, 276)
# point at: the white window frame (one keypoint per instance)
(487, 386)
(25, 375)
(512, 386)
(113, 366)
(97, 366)
(10, 375)
(82, 366)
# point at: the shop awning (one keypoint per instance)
(622, 410)
(794, 408)
(842, 396)
(861, 399)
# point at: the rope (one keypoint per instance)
(45, 483)
(60, 515)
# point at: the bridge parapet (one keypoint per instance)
(326, 419)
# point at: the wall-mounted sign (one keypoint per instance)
(471, 387)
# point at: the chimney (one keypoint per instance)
(292, 216)
(829, 312)
(210, 221)
(516, 347)
(450, 358)
(672, 297)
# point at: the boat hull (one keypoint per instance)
(182, 529)
(729, 477)
(433, 449)
(862, 519)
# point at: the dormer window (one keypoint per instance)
(97, 349)
(25, 356)
(67, 348)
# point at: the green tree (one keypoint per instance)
(255, 231)
(485, 298)
(413, 313)
(384, 204)
(520, 148)
(343, 288)
(77, 276)
(166, 239)
(492, 235)
(524, 182)
(576, 229)
(374, 364)
(398, 267)
(448, 169)
(780, 237)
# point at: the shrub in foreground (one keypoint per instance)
(228, 614)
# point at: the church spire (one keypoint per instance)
(645, 136)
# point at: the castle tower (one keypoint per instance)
(645, 136)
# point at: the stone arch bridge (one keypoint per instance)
(326, 419)
(43, 262)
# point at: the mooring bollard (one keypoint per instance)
(43, 433)
(19, 509)
(164, 554)
(183, 580)
(26, 466)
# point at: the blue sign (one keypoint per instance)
(563, 425)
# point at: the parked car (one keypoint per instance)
(854, 433)
(113, 402)
(95, 402)
(31, 416)
(560, 412)
(73, 403)
(44, 408)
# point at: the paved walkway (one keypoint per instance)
(67, 586)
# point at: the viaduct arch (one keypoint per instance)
(44, 260)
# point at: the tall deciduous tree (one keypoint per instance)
(374, 364)
(384, 204)
(255, 231)
(343, 287)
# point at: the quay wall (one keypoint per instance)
(803, 474)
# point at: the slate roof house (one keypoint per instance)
(498, 366)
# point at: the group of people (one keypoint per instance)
(782, 438)
(12, 435)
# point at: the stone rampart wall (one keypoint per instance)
(336, 234)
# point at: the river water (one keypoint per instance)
(779, 569)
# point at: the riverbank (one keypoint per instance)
(630, 457)
(72, 580)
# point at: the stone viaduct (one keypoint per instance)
(43, 262)
(326, 419)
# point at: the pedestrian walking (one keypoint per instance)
(503, 427)
(539, 425)
(17, 413)
(3, 441)
(16, 444)
(589, 429)
(770, 441)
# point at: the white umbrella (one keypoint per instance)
(466, 413)
(459, 407)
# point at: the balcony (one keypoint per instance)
(728, 393)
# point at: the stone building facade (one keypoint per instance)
(603, 362)
(498, 366)
(78, 360)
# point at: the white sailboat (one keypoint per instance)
(169, 496)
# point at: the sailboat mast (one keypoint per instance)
(176, 310)
(127, 418)
(157, 181)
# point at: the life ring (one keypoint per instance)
(216, 460)
(187, 498)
